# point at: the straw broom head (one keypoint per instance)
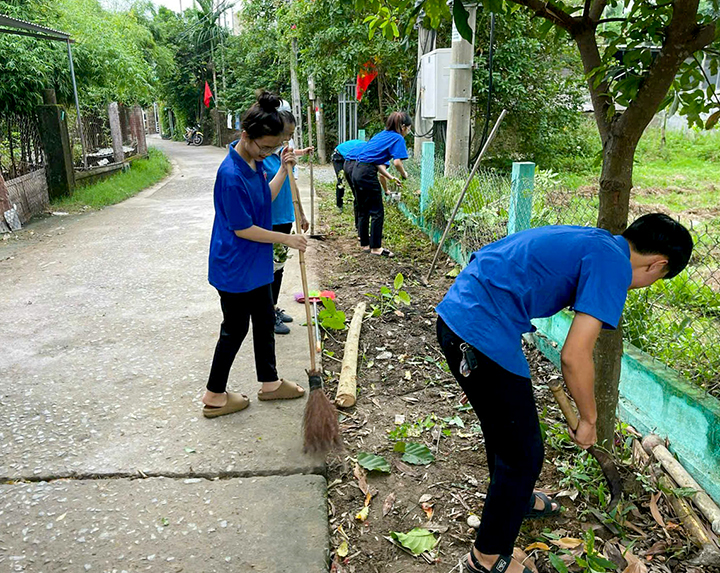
(320, 423)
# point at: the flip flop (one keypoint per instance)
(235, 403)
(547, 509)
(286, 391)
(383, 253)
(472, 565)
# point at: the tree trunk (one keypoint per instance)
(615, 185)
(322, 155)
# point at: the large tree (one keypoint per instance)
(632, 54)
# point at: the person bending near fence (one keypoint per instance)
(241, 258)
(533, 274)
(283, 211)
(384, 146)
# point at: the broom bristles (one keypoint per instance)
(320, 423)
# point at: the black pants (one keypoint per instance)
(338, 162)
(348, 168)
(371, 211)
(278, 276)
(238, 309)
(505, 405)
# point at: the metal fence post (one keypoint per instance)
(427, 173)
(361, 134)
(521, 196)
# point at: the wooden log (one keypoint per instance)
(701, 499)
(709, 555)
(347, 385)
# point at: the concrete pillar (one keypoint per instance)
(320, 118)
(521, 196)
(140, 131)
(4, 204)
(460, 99)
(427, 173)
(426, 43)
(116, 132)
(59, 170)
(125, 123)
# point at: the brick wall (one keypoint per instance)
(30, 194)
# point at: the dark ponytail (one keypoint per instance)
(396, 120)
(263, 117)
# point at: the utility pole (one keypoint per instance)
(295, 89)
(457, 149)
(426, 43)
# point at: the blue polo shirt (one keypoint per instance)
(283, 211)
(352, 146)
(242, 199)
(535, 274)
(383, 147)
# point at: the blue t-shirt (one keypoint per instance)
(283, 210)
(535, 274)
(383, 147)
(350, 147)
(242, 199)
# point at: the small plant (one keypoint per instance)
(390, 300)
(330, 318)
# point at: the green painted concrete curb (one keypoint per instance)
(653, 397)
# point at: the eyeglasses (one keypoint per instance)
(264, 149)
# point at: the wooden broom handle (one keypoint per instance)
(564, 403)
(303, 274)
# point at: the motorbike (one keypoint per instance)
(193, 135)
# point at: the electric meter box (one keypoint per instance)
(435, 84)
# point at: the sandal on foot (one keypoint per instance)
(286, 391)
(235, 403)
(472, 565)
(384, 253)
(550, 507)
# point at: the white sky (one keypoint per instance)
(174, 4)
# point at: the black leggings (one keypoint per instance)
(371, 211)
(505, 405)
(348, 168)
(238, 309)
(278, 275)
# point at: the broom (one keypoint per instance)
(321, 430)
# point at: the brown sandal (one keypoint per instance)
(286, 391)
(235, 403)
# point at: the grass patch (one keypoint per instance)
(142, 174)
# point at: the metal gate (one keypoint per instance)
(347, 113)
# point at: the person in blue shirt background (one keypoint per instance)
(527, 275)
(240, 264)
(283, 211)
(384, 146)
(338, 161)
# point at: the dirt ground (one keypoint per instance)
(405, 394)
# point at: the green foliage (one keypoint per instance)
(417, 540)
(371, 462)
(142, 174)
(415, 454)
(389, 300)
(330, 317)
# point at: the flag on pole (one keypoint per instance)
(208, 95)
(365, 77)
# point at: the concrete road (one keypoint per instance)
(108, 329)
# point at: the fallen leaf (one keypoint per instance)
(368, 497)
(425, 497)
(655, 512)
(658, 548)
(537, 545)
(360, 475)
(342, 551)
(636, 567)
(408, 375)
(613, 553)
(388, 504)
(417, 540)
(567, 542)
(362, 515)
(428, 509)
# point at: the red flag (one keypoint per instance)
(365, 77)
(208, 95)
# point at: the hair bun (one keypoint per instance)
(269, 102)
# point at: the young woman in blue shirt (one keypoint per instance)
(283, 211)
(241, 258)
(386, 145)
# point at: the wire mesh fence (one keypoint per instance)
(96, 132)
(676, 321)
(21, 150)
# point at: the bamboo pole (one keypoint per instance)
(347, 386)
(653, 444)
